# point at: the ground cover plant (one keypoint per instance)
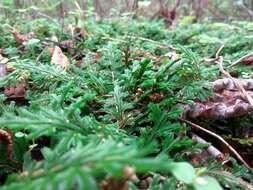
(116, 104)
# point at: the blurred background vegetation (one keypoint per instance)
(169, 10)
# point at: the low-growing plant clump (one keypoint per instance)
(119, 105)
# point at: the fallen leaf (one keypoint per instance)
(50, 51)
(22, 39)
(80, 33)
(67, 45)
(247, 60)
(79, 63)
(96, 58)
(172, 55)
(59, 58)
(112, 183)
(15, 92)
(227, 101)
(6, 138)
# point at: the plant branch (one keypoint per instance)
(238, 156)
(240, 59)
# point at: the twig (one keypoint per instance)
(219, 59)
(236, 82)
(216, 55)
(211, 149)
(219, 51)
(238, 156)
(240, 59)
(39, 56)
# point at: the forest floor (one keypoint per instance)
(119, 105)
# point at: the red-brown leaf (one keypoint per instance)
(15, 92)
(247, 60)
(22, 38)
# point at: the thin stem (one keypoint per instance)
(238, 156)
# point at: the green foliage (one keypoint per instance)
(108, 115)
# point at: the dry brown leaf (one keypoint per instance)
(15, 92)
(50, 51)
(22, 38)
(112, 183)
(79, 63)
(80, 33)
(67, 45)
(59, 58)
(227, 101)
(247, 60)
(6, 138)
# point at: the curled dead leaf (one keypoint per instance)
(22, 39)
